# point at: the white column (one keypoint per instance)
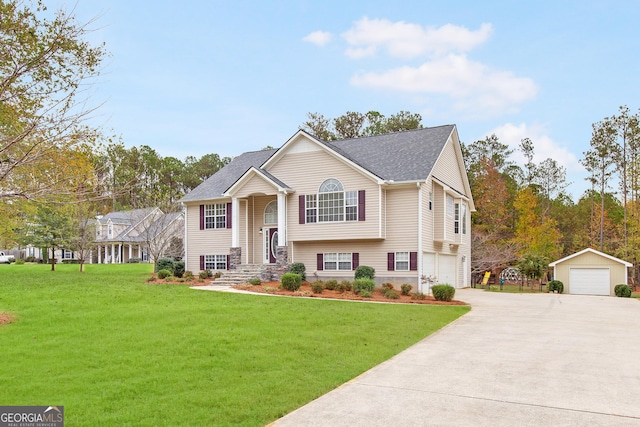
(130, 250)
(282, 219)
(99, 254)
(113, 253)
(140, 252)
(120, 251)
(235, 219)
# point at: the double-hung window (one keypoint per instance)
(464, 218)
(337, 261)
(456, 219)
(402, 261)
(215, 215)
(311, 208)
(215, 262)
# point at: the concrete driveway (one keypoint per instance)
(514, 360)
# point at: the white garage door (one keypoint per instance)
(447, 270)
(589, 281)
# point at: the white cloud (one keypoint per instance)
(319, 38)
(474, 87)
(406, 40)
(544, 146)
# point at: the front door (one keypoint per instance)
(270, 244)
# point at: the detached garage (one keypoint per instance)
(590, 272)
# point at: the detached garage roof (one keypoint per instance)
(612, 258)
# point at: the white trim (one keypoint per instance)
(420, 243)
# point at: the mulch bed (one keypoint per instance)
(305, 291)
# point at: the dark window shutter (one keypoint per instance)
(361, 205)
(229, 215)
(201, 262)
(301, 209)
(320, 262)
(355, 260)
(228, 260)
(413, 261)
(201, 217)
(391, 261)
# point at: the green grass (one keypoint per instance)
(116, 351)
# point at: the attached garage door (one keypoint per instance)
(589, 281)
(447, 270)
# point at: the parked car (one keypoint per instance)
(6, 259)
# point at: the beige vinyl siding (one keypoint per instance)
(447, 168)
(204, 242)
(402, 217)
(590, 260)
(427, 218)
(305, 172)
(372, 254)
(439, 211)
(255, 185)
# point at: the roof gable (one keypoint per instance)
(602, 254)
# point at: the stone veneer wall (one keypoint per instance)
(235, 258)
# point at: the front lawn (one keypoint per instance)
(116, 351)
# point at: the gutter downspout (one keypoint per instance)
(420, 231)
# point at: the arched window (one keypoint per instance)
(271, 212)
(331, 201)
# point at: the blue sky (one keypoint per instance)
(198, 77)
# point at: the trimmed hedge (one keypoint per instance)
(555, 285)
(364, 285)
(165, 264)
(164, 273)
(443, 292)
(365, 272)
(622, 290)
(291, 281)
(299, 268)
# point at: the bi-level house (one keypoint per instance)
(399, 203)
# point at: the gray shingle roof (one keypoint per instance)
(219, 182)
(400, 156)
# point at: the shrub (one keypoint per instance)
(19, 261)
(178, 268)
(205, 274)
(298, 268)
(188, 275)
(291, 281)
(555, 285)
(255, 281)
(360, 285)
(622, 290)
(164, 264)
(317, 287)
(330, 284)
(346, 285)
(365, 272)
(217, 275)
(405, 288)
(164, 273)
(30, 258)
(418, 296)
(365, 294)
(134, 260)
(391, 294)
(340, 288)
(443, 292)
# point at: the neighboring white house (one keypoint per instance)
(138, 233)
(400, 203)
